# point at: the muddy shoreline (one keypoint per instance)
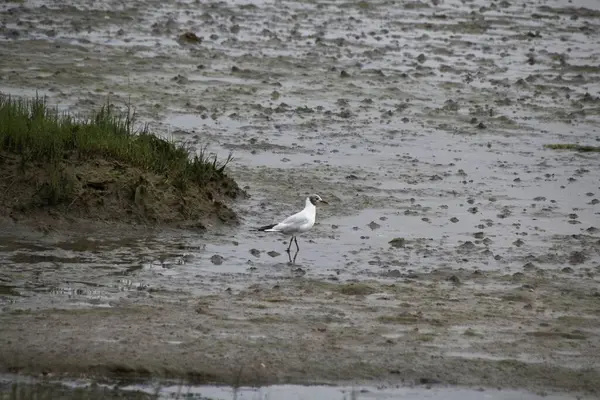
(408, 331)
(424, 122)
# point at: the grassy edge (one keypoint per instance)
(34, 132)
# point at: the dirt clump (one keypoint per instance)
(107, 190)
(57, 168)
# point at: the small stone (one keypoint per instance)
(481, 125)
(454, 279)
(189, 37)
(454, 219)
(344, 74)
(255, 252)
(398, 242)
(529, 267)
(394, 274)
(273, 253)
(567, 270)
(478, 235)
(421, 58)
(518, 242)
(217, 259)
(468, 245)
(374, 225)
(518, 276)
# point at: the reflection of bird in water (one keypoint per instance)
(298, 223)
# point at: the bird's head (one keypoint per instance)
(315, 198)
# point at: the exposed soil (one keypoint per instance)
(93, 191)
(457, 249)
(451, 327)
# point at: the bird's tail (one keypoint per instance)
(263, 228)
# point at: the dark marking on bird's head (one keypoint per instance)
(315, 198)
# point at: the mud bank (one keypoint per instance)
(446, 327)
(61, 167)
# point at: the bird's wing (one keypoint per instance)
(297, 219)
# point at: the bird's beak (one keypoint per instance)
(323, 201)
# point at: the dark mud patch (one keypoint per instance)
(574, 147)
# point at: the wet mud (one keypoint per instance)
(456, 250)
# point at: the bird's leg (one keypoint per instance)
(290, 246)
(297, 247)
(295, 255)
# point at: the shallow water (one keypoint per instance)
(296, 392)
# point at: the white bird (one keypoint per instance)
(298, 223)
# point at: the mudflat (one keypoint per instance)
(457, 249)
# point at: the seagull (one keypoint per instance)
(298, 223)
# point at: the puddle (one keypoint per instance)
(346, 393)
(288, 392)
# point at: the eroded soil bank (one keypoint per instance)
(102, 191)
(425, 122)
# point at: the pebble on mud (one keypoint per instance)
(216, 259)
(273, 253)
(189, 37)
(374, 225)
(398, 242)
(255, 252)
(180, 79)
(454, 219)
(468, 245)
(529, 267)
(393, 274)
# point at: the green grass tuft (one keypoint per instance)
(575, 147)
(37, 133)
